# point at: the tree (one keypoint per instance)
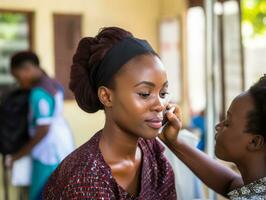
(254, 16)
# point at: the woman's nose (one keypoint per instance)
(159, 104)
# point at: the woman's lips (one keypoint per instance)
(155, 124)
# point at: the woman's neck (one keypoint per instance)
(253, 169)
(116, 144)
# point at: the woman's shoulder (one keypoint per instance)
(83, 157)
(80, 169)
(255, 190)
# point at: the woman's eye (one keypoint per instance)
(144, 95)
(164, 94)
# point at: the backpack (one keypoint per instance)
(14, 121)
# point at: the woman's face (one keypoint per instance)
(231, 137)
(140, 96)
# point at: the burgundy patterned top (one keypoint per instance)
(85, 175)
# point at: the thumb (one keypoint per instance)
(174, 120)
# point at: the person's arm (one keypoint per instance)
(216, 176)
(41, 132)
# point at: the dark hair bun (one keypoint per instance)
(89, 53)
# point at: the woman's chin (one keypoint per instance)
(151, 134)
(216, 152)
(220, 155)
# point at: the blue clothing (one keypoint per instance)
(199, 122)
(40, 172)
(46, 109)
(42, 106)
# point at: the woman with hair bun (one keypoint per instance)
(123, 76)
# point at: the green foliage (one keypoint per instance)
(254, 14)
(10, 23)
(12, 18)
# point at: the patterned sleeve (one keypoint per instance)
(77, 188)
(90, 190)
(42, 106)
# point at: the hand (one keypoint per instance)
(9, 161)
(170, 131)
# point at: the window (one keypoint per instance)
(15, 35)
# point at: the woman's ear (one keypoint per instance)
(105, 96)
(256, 142)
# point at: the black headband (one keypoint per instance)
(117, 56)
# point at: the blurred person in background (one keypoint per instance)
(50, 137)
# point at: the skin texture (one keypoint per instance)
(230, 137)
(134, 108)
(233, 143)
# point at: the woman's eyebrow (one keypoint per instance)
(149, 83)
(145, 83)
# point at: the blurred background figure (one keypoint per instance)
(50, 137)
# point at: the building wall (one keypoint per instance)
(178, 9)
